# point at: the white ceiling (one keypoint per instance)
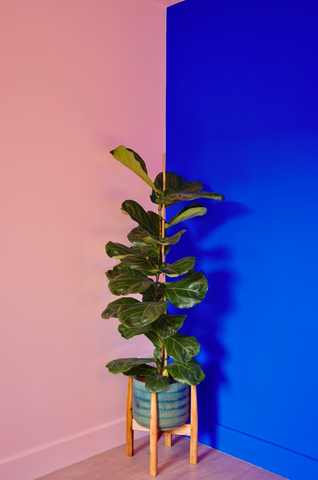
(168, 3)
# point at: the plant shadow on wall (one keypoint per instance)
(208, 320)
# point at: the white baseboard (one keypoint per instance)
(40, 461)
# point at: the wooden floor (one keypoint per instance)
(173, 464)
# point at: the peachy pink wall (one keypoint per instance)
(78, 78)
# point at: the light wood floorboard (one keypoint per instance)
(173, 464)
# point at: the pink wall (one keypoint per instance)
(78, 77)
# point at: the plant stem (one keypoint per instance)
(162, 220)
(162, 359)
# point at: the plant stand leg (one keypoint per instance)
(168, 439)
(153, 435)
(129, 429)
(194, 427)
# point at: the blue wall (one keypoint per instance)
(242, 114)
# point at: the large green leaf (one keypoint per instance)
(121, 365)
(179, 267)
(188, 374)
(145, 266)
(181, 347)
(140, 237)
(173, 181)
(127, 158)
(137, 236)
(139, 215)
(121, 268)
(128, 332)
(151, 250)
(143, 369)
(151, 294)
(120, 251)
(187, 292)
(133, 257)
(156, 383)
(157, 354)
(128, 284)
(192, 186)
(154, 217)
(112, 308)
(191, 211)
(141, 314)
(167, 240)
(168, 324)
(153, 337)
(139, 159)
(171, 197)
(190, 273)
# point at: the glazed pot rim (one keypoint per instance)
(171, 386)
(171, 382)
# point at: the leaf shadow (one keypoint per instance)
(208, 320)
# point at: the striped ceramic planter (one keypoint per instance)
(173, 405)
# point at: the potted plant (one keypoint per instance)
(142, 269)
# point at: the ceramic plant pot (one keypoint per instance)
(173, 405)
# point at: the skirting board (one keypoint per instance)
(275, 458)
(37, 462)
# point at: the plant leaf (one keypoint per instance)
(168, 324)
(112, 308)
(173, 181)
(152, 335)
(186, 196)
(156, 383)
(191, 211)
(187, 292)
(142, 369)
(127, 158)
(140, 263)
(140, 314)
(157, 355)
(121, 268)
(188, 374)
(127, 332)
(139, 237)
(128, 284)
(154, 217)
(166, 240)
(121, 365)
(179, 267)
(190, 273)
(139, 215)
(120, 251)
(139, 159)
(181, 347)
(151, 294)
(192, 186)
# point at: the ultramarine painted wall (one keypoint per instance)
(242, 114)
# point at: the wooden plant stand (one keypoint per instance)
(190, 429)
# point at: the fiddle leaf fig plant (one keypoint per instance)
(142, 269)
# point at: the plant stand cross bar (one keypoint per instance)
(189, 429)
